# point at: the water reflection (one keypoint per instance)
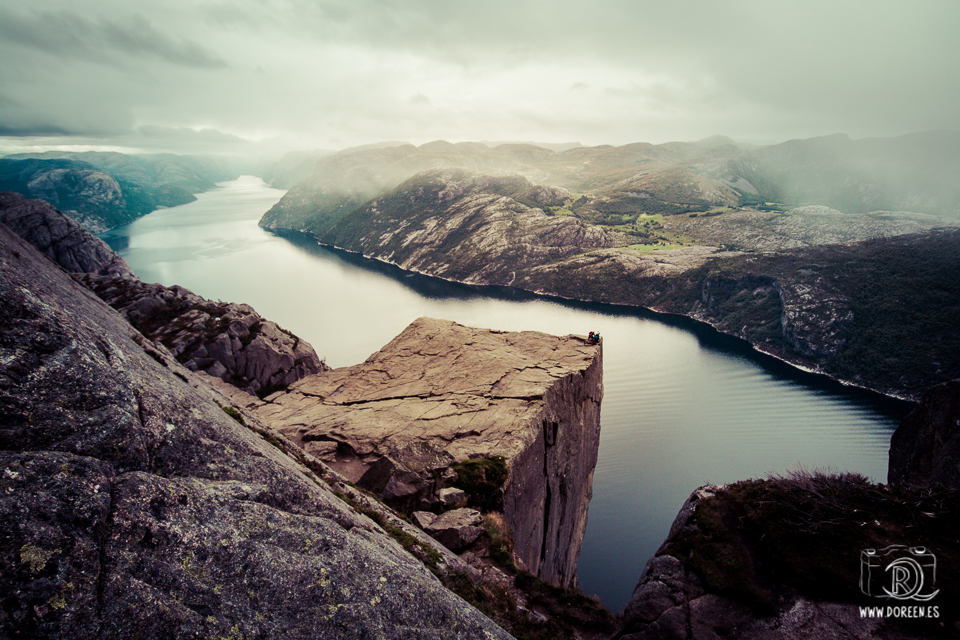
(683, 405)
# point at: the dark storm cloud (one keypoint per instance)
(66, 34)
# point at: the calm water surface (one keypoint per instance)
(681, 408)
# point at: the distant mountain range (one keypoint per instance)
(613, 185)
(102, 190)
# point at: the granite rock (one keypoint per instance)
(227, 340)
(472, 393)
(224, 339)
(132, 505)
(454, 529)
(60, 238)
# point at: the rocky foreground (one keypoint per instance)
(223, 339)
(133, 505)
(139, 497)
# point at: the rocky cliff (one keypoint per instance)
(441, 394)
(226, 340)
(925, 448)
(465, 226)
(133, 505)
(784, 558)
(61, 239)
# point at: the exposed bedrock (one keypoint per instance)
(132, 505)
(226, 340)
(925, 448)
(441, 393)
(58, 237)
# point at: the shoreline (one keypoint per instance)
(691, 323)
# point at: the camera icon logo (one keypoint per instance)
(898, 572)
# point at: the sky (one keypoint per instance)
(267, 76)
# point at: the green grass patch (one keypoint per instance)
(235, 414)
(481, 479)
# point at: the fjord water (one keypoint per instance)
(682, 407)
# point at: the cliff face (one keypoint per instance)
(61, 239)
(459, 393)
(132, 505)
(925, 448)
(226, 340)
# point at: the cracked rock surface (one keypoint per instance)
(530, 397)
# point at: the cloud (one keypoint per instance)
(324, 73)
(185, 134)
(66, 34)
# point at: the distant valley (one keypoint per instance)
(835, 255)
(832, 254)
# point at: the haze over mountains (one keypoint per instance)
(914, 173)
(792, 247)
(102, 190)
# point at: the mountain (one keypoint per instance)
(616, 186)
(915, 172)
(865, 298)
(102, 190)
(465, 226)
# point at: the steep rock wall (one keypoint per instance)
(781, 559)
(463, 393)
(925, 448)
(551, 481)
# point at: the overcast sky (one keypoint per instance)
(239, 75)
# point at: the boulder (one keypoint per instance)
(409, 478)
(452, 497)
(454, 529)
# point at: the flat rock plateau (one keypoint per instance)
(456, 393)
